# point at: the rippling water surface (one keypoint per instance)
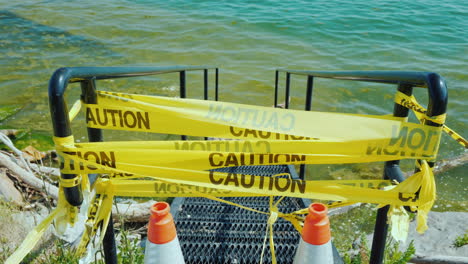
(247, 40)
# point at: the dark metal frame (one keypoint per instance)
(87, 76)
(438, 96)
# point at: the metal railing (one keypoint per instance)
(405, 81)
(87, 77)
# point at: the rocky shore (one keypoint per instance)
(439, 238)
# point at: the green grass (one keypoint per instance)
(6, 211)
(129, 252)
(347, 228)
(129, 249)
(5, 251)
(462, 240)
(394, 256)
(392, 253)
(60, 253)
(353, 227)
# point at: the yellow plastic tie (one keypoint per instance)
(271, 220)
(61, 142)
(410, 102)
(68, 183)
(74, 110)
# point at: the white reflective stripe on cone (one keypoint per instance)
(313, 254)
(164, 253)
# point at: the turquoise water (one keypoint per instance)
(247, 40)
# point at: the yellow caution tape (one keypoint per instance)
(455, 136)
(259, 185)
(425, 194)
(417, 196)
(98, 218)
(104, 186)
(233, 181)
(410, 102)
(32, 238)
(63, 142)
(35, 235)
(203, 155)
(160, 188)
(236, 121)
(270, 136)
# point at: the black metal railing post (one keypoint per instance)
(62, 128)
(275, 103)
(205, 84)
(310, 87)
(205, 88)
(308, 107)
(216, 83)
(89, 96)
(183, 93)
(391, 171)
(288, 86)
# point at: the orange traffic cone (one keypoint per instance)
(162, 245)
(315, 245)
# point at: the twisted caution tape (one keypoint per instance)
(411, 192)
(258, 185)
(236, 121)
(203, 155)
(410, 102)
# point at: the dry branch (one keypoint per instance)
(28, 177)
(8, 190)
(43, 170)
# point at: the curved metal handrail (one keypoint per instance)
(406, 80)
(87, 76)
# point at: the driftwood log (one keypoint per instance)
(134, 212)
(28, 177)
(8, 189)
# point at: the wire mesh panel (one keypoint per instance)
(214, 232)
